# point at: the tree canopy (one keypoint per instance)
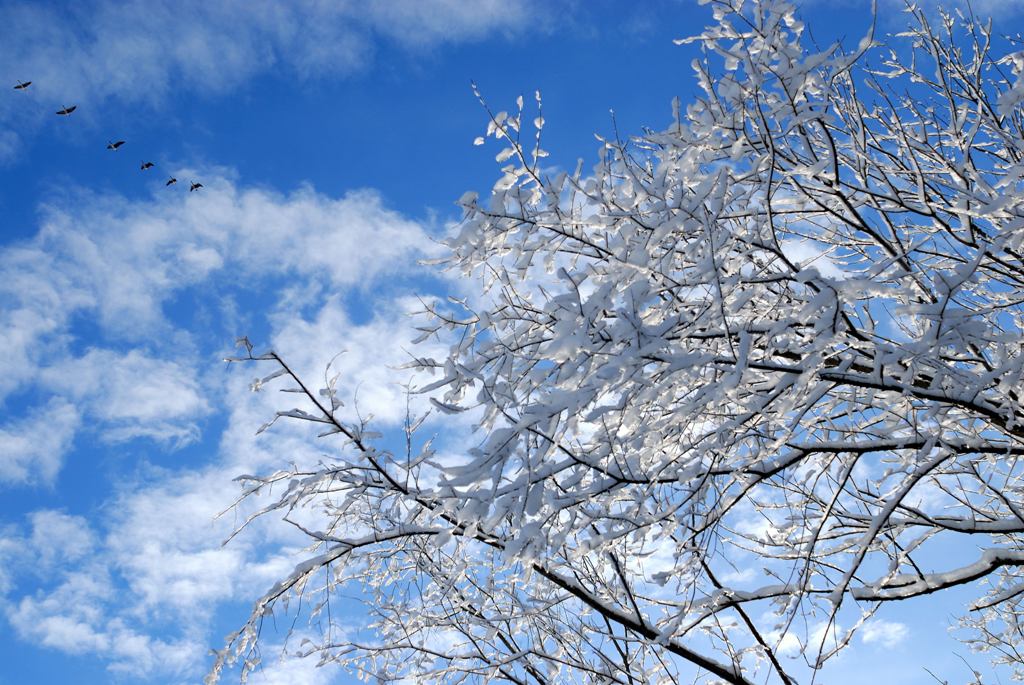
(741, 383)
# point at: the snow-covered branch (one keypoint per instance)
(756, 367)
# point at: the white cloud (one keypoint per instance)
(884, 633)
(165, 542)
(819, 636)
(140, 589)
(126, 259)
(419, 23)
(68, 621)
(120, 263)
(282, 668)
(132, 394)
(33, 447)
(365, 357)
(11, 549)
(138, 51)
(102, 316)
(808, 254)
(59, 537)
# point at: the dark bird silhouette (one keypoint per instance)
(147, 165)
(171, 181)
(115, 145)
(22, 85)
(195, 186)
(67, 110)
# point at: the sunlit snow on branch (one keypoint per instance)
(737, 386)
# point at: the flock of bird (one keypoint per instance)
(115, 145)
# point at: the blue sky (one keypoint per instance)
(332, 140)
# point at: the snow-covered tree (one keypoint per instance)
(738, 385)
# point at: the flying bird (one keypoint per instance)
(171, 181)
(67, 110)
(147, 165)
(195, 186)
(22, 85)
(115, 145)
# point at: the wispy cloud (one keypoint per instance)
(140, 587)
(139, 51)
(32, 448)
(131, 394)
(884, 633)
(121, 264)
